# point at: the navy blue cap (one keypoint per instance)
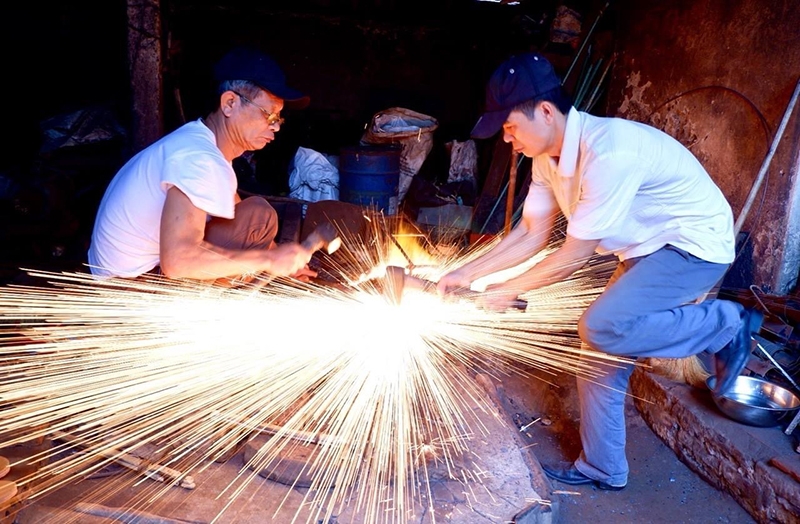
(245, 63)
(520, 78)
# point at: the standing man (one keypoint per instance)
(174, 206)
(628, 189)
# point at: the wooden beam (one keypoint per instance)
(144, 60)
(486, 205)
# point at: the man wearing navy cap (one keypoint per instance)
(628, 189)
(174, 206)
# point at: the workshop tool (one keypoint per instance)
(397, 280)
(512, 184)
(129, 516)
(307, 437)
(796, 420)
(156, 472)
(303, 436)
(324, 236)
(5, 466)
(765, 165)
(752, 195)
(8, 488)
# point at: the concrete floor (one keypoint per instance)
(661, 488)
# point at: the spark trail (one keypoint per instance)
(190, 369)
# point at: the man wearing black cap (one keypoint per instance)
(175, 205)
(631, 190)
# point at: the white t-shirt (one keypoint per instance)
(127, 230)
(634, 188)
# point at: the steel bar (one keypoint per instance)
(152, 471)
(512, 185)
(585, 41)
(767, 161)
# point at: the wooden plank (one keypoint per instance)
(144, 60)
(485, 209)
(495, 179)
(511, 191)
(156, 472)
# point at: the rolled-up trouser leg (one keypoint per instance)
(254, 226)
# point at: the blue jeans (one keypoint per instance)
(647, 310)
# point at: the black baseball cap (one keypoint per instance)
(522, 77)
(246, 63)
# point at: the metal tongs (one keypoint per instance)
(796, 420)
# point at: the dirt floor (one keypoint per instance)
(661, 489)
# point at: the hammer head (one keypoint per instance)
(323, 236)
(395, 282)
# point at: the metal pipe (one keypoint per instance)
(775, 363)
(585, 41)
(765, 166)
(512, 184)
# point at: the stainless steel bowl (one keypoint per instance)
(755, 401)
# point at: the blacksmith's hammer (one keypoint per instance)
(323, 236)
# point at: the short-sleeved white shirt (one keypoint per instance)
(634, 188)
(127, 230)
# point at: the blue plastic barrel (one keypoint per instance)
(369, 176)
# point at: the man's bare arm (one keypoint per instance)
(528, 237)
(185, 254)
(561, 263)
(524, 241)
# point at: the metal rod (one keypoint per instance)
(593, 98)
(585, 41)
(793, 424)
(402, 251)
(785, 374)
(318, 438)
(765, 166)
(512, 183)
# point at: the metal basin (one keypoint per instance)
(755, 401)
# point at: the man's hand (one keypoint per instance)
(454, 280)
(305, 274)
(498, 297)
(287, 259)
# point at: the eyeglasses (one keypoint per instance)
(272, 118)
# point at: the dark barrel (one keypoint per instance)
(369, 176)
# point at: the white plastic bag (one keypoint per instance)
(412, 130)
(463, 161)
(313, 176)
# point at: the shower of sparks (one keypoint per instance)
(189, 370)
